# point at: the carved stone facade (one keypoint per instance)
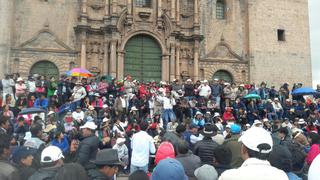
(194, 42)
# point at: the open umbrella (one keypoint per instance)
(252, 96)
(304, 91)
(79, 72)
(31, 111)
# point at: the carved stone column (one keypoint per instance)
(114, 7)
(178, 11)
(106, 8)
(178, 61)
(196, 60)
(165, 67)
(196, 12)
(83, 55)
(113, 58)
(172, 61)
(173, 9)
(106, 56)
(120, 65)
(84, 6)
(159, 8)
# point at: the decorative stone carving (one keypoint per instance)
(96, 4)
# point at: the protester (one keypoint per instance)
(169, 169)
(235, 146)
(206, 172)
(23, 158)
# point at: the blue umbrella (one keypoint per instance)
(304, 91)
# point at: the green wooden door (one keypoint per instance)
(45, 68)
(143, 58)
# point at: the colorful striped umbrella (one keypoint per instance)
(79, 72)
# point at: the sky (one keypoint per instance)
(314, 16)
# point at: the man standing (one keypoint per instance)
(167, 113)
(107, 163)
(255, 149)
(7, 87)
(88, 147)
(142, 145)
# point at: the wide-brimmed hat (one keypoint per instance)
(216, 114)
(107, 157)
(209, 130)
(49, 128)
(89, 125)
(91, 108)
(19, 79)
(301, 121)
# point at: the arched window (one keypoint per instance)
(223, 75)
(143, 3)
(220, 9)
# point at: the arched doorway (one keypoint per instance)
(143, 58)
(45, 68)
(223, 75)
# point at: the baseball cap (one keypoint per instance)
(22, 152)
(256, 136)
(169, 169)
(51, 154)
(206, 172)
(90, 125)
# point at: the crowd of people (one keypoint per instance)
(96, 128)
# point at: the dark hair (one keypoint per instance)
(258, 155)
(35, 129)
(315, 138)
(72, 171)
(283, 130)
(281, 158)
(4, 142)
(180, 128)
(138, 175)
(298, 156)
(144, 125)
(183, 147)
(3, 120)
(222, 155)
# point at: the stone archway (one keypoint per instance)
(142, 59)
(45, 68)
(223, 75)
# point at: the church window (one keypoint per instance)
(220, 9)
(281, 35)
(143, 3)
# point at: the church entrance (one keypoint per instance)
(143, 58)
(45, 68)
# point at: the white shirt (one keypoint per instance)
(314, 169)
(142, 145)
(123, 102)
(204, 90)
(253, 168)
(78, 116)
(167, 103)
(79, 93)
(31, 86)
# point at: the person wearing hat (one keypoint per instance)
(107, 165)
(88, 147)
(79, 93)
(206, 172)
(123, 153)
(167, 112)
(78, 116)
(204, 89)
(169, 169)
(188, 89)
(21, 88)
(22, 157)
(256, 145)
(51, 161)
(234, 145)
(204, 148)
(97, 101)
(198, 119)
(278, 108)
(91, 112)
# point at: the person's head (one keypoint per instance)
(222, 155)
(256, 143)
(281, 158)
(107, 162)
(58, 134)
(42, 96)
(180, 129)
(193, 128)
(6, 107)
(169, 169)
(144, 126)
(88, 129)
(314, 138)
(51, 156)
(23, 156)
(72, 171)
(283, 132)
(5, 146)
(139, 175)
(4, 122)
(183, 147)
(36, 130)
(206, 172)
(298, 157)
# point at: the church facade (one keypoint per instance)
(242, 41)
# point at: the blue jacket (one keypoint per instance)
(63, 145)
(198, 122)
(41, 103)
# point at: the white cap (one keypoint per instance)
(301, 121)
(50, 112)
(256, 122)
(216, 114)
(255, 136)
(205, 81)
(198, 113)
(19, 79)
(105, 106)
(133, 108)
(105, 120)
(189, 80)
(51, 154)
(90, 125)
(120, 140)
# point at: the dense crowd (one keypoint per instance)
(97, 128)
